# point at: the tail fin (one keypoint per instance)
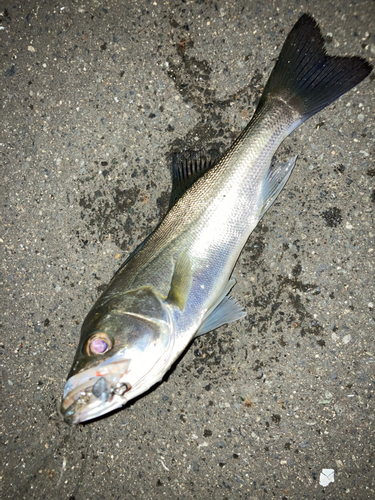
(307, 78)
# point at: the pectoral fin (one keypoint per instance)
(181, 282)
(226, 310)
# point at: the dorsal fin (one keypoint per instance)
(186, 169)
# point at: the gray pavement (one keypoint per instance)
(95, 96)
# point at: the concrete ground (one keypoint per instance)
(95, 96)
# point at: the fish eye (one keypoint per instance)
(99, 343)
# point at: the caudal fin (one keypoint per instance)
(308, 79)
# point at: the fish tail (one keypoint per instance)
(305, 77)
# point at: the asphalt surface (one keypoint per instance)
(95, 96)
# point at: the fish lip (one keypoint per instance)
(79, 403)
(74, 414)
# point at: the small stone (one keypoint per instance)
(347, 339)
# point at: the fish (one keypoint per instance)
(176, 285)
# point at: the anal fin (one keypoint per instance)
(274, 182)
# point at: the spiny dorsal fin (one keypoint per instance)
(186, 169)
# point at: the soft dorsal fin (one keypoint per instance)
(186, 169)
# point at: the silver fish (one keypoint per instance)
(176, 284)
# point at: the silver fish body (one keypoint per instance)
(176, 285)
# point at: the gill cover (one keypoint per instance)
(127, 322)
(124, 347)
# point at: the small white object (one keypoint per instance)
(347, 338)
(327, 476)
(163, 464)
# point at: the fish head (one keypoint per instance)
(124, 349)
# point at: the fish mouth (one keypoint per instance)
(95, 392)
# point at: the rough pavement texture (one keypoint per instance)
(95, 97)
